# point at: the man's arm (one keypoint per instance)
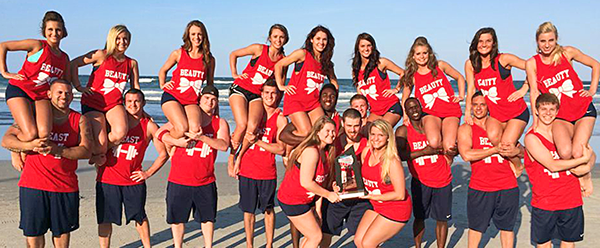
(465, 145)
(83, 149)
(12, 143)
(277, 147)
(287, 135)
(404, 150)
(220, 143)
(541, 154)
(162, 158)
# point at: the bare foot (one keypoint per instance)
(587, 188)
(17, 160)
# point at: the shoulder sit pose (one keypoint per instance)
(313, 65)
(27, 91)
(192, 187)
(431, 183)
(427, 76)
(369, 75)
(556, 202)
(551, 71)
(493, 192)
(102, 97)
(195, 66)
(383, 177)
(121, 181)
(48, 187)
(306, 175)
(244, 94)
(488, 71)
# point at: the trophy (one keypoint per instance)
(348, 175)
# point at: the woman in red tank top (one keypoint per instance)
(195, 65)
(428, 76)
(307, 173)
(102, 97)
(244, 94)
(369, 75)
(27, 92)
(489, 71)
(313, 65)
(552, 68)
(383, 177)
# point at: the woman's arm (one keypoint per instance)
(135, 73)
(162, 73)
(308, 165)
(470, 75)
(295, 57)
(255, 50)
(30, 45)
(95, 57)
(388, 65)
(531, 70)
(453, 73)
(583, 58)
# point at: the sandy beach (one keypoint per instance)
(229, 229)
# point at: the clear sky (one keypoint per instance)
(157, 26)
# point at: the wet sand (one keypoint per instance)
(229, 229)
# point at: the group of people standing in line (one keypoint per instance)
(319, 144)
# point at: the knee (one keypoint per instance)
(577, 151)
(565, 152)
(252, 127)
(358, 241)
(241, 126)
(435, 142)
(494, 136)
(119, 132)
(179, 128)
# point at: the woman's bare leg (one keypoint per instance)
(117, 119)
(176, 115)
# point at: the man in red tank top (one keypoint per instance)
(192, 185)
(257, 167)
(431, 183)
(556, 202)
(493, 192)
(48, 188)
(121, 180)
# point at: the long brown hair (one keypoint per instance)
(548, 27)
(313, 140)
(475, 56)
(53, 16)
(411, 64)
(357, 60)
(327, 54)
(204, 47)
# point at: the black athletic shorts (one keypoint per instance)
(110, 200)
(524, 116)
(351, 211)
(14, 91)
(565, 225)
(85, 109)
(256, 194)
(201, 200)
(590, 112)
(428, 201)
(396, 109)
(295, 210)
(42, 210)
(235, 89)
(167, 97)
(500, 206)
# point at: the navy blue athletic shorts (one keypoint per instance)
(256, 194)
(565, 225)
(428, 201)
(500, 206)
(110, 200)
(235, 89)
(14, 91)
(182, 200)
(351, 211)
(42, 210)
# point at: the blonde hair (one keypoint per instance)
(313, 140)
(111, 38)
(390, 153)
(548, 27)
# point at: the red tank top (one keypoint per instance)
(562, 81)
(496, 91)
(492, 173)
(195, 164)
(108, 83)
(551, 190)
(431, 170)
(125, 158)
(50, 173)
(373, 90)
(258, 73)
(187, 79)
(436, 94)
(257, 163)
(40, 74)
(308, 82)
(375, 185)
(290, 190)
